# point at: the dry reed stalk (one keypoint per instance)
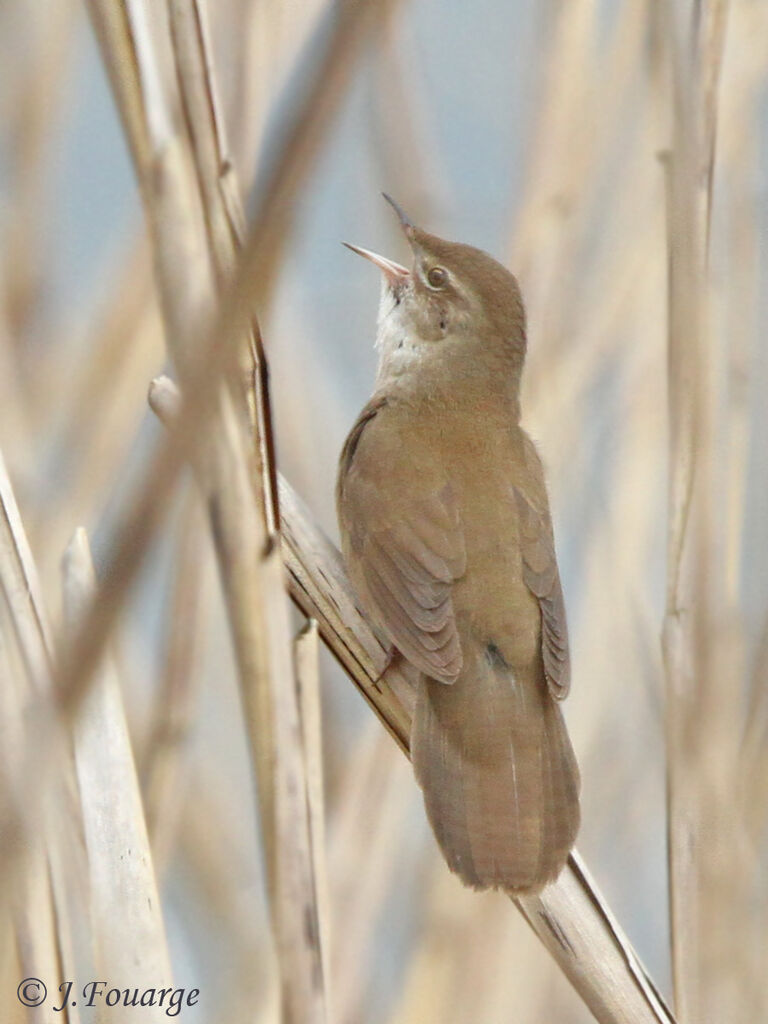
(21, 589)
(754, 755)
(405, 146)
(306, 656)
(235, 533)
(744, 243)
(117, 341)
(248, 532)
(32, 102)
(264, 43)
(743, 84)
(273, 717)
(43, 877)
(16, 416)
(126, 347)
(556, 214)
(250, 985)
(737, 149)
(442, 976)
(251, 574)
(224, 220)
(162, 761)
(473, 963)
(36, 927)
(558, 143)
(122, 886)
(578, 200)
(695, 38)
(28, 933)
(369, 828)
(301, 144)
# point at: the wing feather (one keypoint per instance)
(404, 555)
(541, 576)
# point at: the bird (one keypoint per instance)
(447, 539)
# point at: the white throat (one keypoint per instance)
(398, 346)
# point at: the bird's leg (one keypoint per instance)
(393, 655)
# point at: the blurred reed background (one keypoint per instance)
(614, 156)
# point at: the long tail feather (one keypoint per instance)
(500, 780)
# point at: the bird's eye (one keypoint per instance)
(437, 277)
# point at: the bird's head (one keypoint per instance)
(452, 292)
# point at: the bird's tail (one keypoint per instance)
(500, 780)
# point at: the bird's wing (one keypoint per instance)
(540, 574)
(404, 547)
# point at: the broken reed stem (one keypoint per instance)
(123, 887)
(38, 859)
(306, 656)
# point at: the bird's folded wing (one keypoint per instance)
(406, 550)
(540, 575)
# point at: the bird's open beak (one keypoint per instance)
(405, 221)
(395, 273)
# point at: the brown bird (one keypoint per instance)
(447, 539)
